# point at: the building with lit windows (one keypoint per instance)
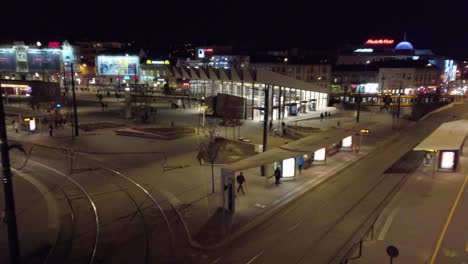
(316, 70)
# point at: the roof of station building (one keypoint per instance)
(258, 76)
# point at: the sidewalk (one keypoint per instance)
(205, 221)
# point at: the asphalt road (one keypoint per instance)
(318, 227)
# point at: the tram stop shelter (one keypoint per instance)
(444, 146)
(313, 149)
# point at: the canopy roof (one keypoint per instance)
(259, 76)
(448, 136)
(307, 145)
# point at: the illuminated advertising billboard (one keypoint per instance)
(347, 142)
(118, 65)
(319, 155)
(7, 60)
(450, 71)
(289, 167)
(43, 60)
(447, 160)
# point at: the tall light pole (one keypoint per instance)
(399, 98)
(10, 212)
(265, 122)
(359, 93)
(75, 113)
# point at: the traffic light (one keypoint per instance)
(57, 105)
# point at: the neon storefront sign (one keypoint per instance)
(380, 42)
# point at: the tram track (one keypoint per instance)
(109, 215)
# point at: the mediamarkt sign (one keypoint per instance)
(380, 41)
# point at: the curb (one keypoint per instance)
(278, 204)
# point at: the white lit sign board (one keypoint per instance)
(447, 160)
(32, 124)
(201, 53)
(319, 155)
(289, 167)
(364, 50)
(347, 142)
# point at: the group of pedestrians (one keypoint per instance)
(325, 115)
(59, 122)
(283, 127)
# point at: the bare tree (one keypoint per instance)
(209, 150)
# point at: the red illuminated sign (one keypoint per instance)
(54, 44)
(208, 50)
(380, 41)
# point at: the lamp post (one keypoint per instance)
(10, 214)
(399, 99)
(265, 123)
(359, 93)
(75, 113)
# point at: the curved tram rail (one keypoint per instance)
(113, 234)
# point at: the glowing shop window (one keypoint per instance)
(319, 155)
(289, 166)
(347, 142)
(448, 160)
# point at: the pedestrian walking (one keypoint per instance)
(277, 175)
(329, 115)
(51, 130)
(321, 117)
(270, 126)
(356, 149)
(15, 126)
(300, 163)
(240, 180)
(102, 105)
(283, 127)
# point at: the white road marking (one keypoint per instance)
(294, 226)
(217, 260)
(254, 258)
(387, 224)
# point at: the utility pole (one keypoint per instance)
(358, 104)
(265, 123)
(399, 99)
(10, 212)
(382, 89)
(75, 113)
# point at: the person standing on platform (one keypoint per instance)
(240, 180)
(300, 163)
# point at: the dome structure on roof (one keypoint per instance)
(404, 45)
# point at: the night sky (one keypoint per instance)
(438, 25)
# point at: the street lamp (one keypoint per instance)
(399, 98)
(8, 191)
(359, 93)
